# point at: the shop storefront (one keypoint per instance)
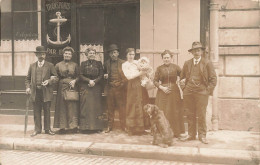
(150, 26)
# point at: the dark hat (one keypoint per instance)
(196, 45)
(112, 47)
(40, 49)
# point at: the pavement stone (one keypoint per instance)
(231, 147)
(11, 157)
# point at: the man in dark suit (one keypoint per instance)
(198, 79)
(38, 84)
(115, 87)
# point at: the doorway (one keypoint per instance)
(100, 25)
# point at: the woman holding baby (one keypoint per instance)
(137, 96)
(168, 97)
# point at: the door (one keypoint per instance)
(100, 25)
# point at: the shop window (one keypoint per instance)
(24, 16)
(6, 24)
(25, 26)
(24, 5)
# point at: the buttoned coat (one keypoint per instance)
(30, 80)
(207, 73)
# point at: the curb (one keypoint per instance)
(188, 154)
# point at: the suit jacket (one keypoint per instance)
(207, 73)
(107, 68)
(30, 80)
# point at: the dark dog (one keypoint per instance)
(159, 126)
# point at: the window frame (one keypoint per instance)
(39, 12)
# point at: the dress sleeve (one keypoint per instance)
(100, 72)
(129, 71)
(178, 70)
(157, 78)
(81, 75)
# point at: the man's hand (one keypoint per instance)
(91, 83)
(182, 82)
(45, 83)
(105, 76)
(28, 91)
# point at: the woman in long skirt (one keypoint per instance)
(137, 96)
(91, 111)
(168, 95)
(66, 112)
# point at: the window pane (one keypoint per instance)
(6, 30)
(25, 5)
(5, 64)
(22, 62)
(24, 55)
(92, 26)
(26, 26)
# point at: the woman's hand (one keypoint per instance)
(105, 76)
(72, 83)
(165, 89)
(91, 83)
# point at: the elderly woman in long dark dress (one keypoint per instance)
(137, 96)
(91, 75)
(66, 112)
(168, 96)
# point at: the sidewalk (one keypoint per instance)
(225, 147)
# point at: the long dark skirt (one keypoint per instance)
(91, 111)
(66, 112)
(171, 105)
(137, 96)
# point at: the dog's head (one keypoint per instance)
(151, 110)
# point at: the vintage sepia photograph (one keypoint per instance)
(129, 82)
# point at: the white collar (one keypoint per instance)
(196, 60)
(41, 63)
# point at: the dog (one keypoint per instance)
(160, 126)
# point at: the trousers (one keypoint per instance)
(38, 105)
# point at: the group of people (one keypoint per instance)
(124, 92)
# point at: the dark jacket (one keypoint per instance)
(30, 80)
(207, 73)
(122, 77)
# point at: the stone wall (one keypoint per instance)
(239, 64)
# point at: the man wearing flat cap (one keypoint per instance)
(38, 84)
(198, 79)
(115, 87)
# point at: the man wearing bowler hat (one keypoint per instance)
(38, 82)
(198, 79)
(115, 86)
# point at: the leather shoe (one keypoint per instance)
(35, 133)
(49, 132)
(108, 130)
(61, 131)
(188, 138)
(204, 140)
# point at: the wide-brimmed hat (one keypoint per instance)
(196, 45)
(112, 47)
(40, 49)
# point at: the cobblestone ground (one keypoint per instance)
(13, 157)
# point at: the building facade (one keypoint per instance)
(228, 28)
